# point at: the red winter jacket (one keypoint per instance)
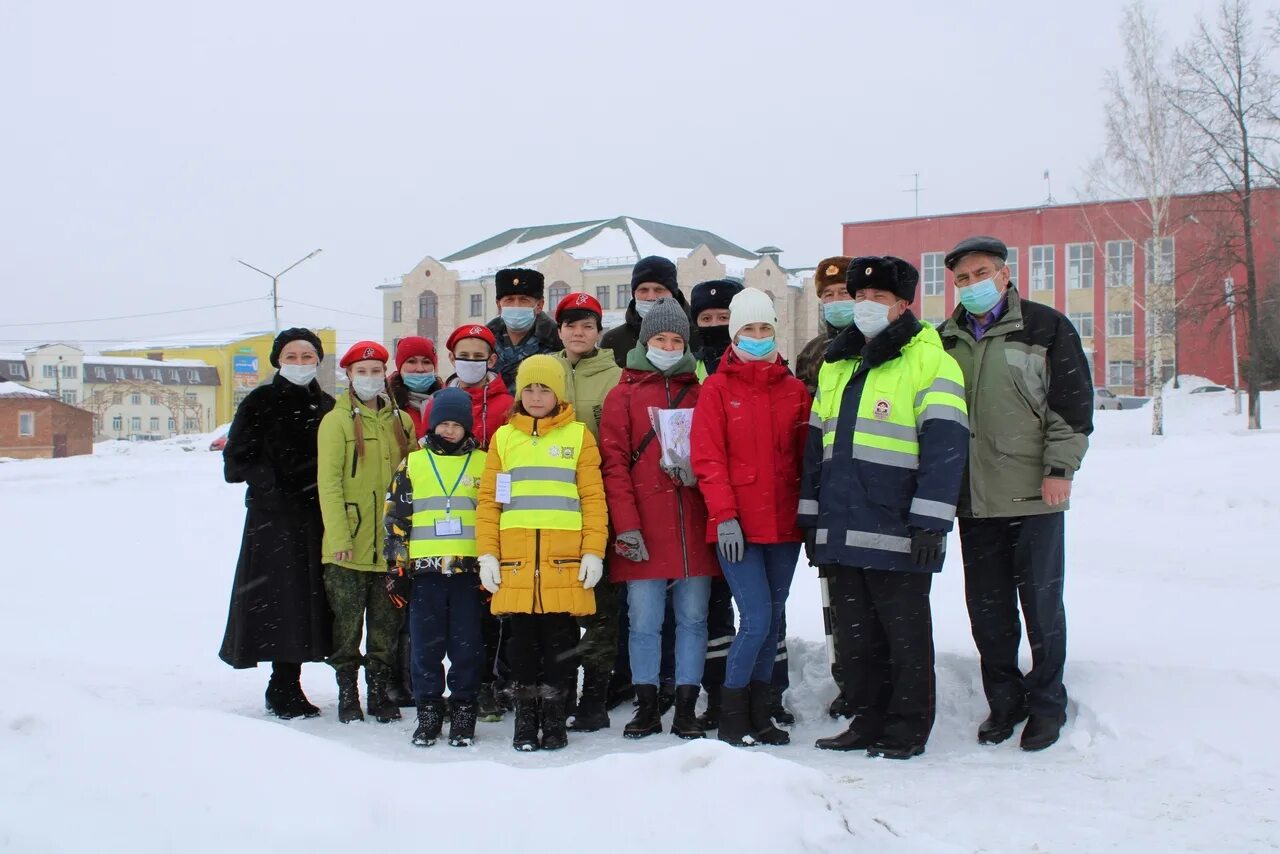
(671, 518)
(749, 431)
(490, 405)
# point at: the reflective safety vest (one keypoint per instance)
(433, 503)
(701, 370)
(544, 477)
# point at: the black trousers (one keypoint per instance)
(884, 632)
(542, 648)
(1007, 561)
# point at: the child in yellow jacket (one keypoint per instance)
(541, 529)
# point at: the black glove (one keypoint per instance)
(399, 585)
(927, 547)
(810, 545)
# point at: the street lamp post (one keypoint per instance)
(275, 285)
(1229, 285)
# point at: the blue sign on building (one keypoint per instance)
(244, 364)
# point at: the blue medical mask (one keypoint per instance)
(418, 382)
(664, 360)
(756, 348)
(980, 297)
(518, 317)
(839, 313)
(870, 317)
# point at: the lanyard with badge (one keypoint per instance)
(450, 525)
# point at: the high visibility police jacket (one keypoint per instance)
(555, 515)
(888, 438)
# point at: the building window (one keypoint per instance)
(477, 305)
(602, 297)
(155, 424)
(117, 398)
(397, 311)
(1120, 324)
(1083, 322)
(557, 292)
(49, 372)
(137, 373)
(68, 397)
(1169, 325)
(427, 305)
(1080, 266)
(70, 372)
(119, 372)
(1160, 267)
(100, 373)
(193, 376)
(26, 423)
(1042, 268)
(192, 397)
(157, 374)
(1120, 373)
(191, 425)
(155, 400)
(173, 425)
(135, 400)
(135, 423)
(1119, 263)
(117, 423)
(1012, 263)
(933, 273)
(621, 295)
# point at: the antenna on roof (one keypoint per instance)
(1048, 186)
(916, 189)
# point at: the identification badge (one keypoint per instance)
(502, 489)
(449, 526)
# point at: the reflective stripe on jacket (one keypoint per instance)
(432, 503)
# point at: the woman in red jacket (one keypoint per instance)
(749, 431)
(661, 521)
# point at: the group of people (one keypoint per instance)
(531, 516)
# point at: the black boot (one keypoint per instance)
(487, 707)
(1041, 731)
(999, 727)
(462, 723)
(398, 695)
(780, 713)
(380, 706)
(620, 691)
(647, 721)
(839, 707)
(685, 723)
(399, 686)
(735, 717)
(666, 699)
(760, 702)
(554, 734)
(710, 717)
(859, 735)
(349, 696)
(592, 715)
(526, 733)
(430, 722)
(279, 694)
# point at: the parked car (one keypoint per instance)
(1104, 398)
(220, 438)
(1209, 389)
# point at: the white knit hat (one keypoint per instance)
(751, 306)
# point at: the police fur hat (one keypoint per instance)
(831, 271)
(716, 293)
(519, 281)
(884, 273)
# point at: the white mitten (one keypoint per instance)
(591, 571)
(490, 573)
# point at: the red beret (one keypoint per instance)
(414, 345)
(362, 350)
(580, 302)
(473, 330)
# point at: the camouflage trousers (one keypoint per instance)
(358, 598)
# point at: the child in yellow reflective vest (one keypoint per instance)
(541, 529)
(432, 565)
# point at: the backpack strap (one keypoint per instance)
(649, 437)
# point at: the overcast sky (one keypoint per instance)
(147, 145)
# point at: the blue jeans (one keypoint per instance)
(760, 583)
(648, 604)
(445, 613)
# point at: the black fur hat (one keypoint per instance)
(884, 273)
(518, 281)
(297, 333)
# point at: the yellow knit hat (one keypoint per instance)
(543, 370)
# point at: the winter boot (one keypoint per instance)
(380, 706)
(859, 735)
(685, 723)
(620, 691)
(526, 732)
(398, 686)
(462, 723)
(349, 696)
(284, 697)
(592, 715)
(735, 717)
(760, 702)
(999, 727)
(554, 735)
(666, 699)
(647, 721)
(487, 707)
(430, 722)
(780, 713)
(1041, 731)
(710, 717)
(839, 708)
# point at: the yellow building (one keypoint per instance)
(243, 363)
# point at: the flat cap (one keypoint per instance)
(981, 243)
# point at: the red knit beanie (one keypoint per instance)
(414, 345)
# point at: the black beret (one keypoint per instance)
(519, 282)
(886, 273)
(655, 269)
(713, 294)
(981, 243)
(297, 333)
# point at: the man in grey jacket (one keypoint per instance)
(1030, 400)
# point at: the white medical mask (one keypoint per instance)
(298, 374)
(644, 306)
(870, 317)
(471, 371)
(664, 360)
(367, 388)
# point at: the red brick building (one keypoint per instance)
(1092, 262)
(34, 424)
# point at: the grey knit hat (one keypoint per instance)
(667, 315)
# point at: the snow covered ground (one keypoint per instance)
(121, 730)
